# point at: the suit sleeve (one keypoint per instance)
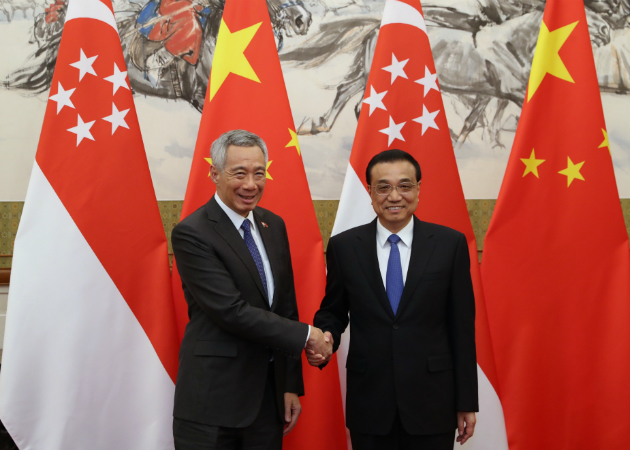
(462, 330)
(213, 289)
(333, 311)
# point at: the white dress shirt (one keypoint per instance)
(383, 247)
(238, 220)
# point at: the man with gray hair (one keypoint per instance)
(240, 372)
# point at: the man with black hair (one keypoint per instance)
(406, 285)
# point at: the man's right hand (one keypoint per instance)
(319, 347)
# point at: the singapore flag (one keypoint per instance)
(90, 351)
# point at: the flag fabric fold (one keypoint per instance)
(556, 261)
(402, 108)
(90, 354)
(246, 91)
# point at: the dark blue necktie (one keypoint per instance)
(394, 278)
(253, 249)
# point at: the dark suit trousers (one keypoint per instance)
(265, 433)
(399, 439)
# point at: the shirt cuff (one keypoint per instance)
(308, 336)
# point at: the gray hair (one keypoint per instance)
(240, 138)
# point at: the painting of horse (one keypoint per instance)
(482, 51)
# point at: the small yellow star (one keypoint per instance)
(531, 164)
(209, 160)
(267, 170)
(294, 141)
(229, 56)
(605, 143)
(572, 171)
(546, 57)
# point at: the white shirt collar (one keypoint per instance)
(235, 217)
(405, 235)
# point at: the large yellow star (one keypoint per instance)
(572, 171)
(209, 160)
(605, 142)
(294, 141)
(546, 58)
(531, 164)
(268, 176)
(229, 56)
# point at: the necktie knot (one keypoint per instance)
(393, 238)
(246, 225)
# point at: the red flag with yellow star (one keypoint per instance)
(556, 263)
(246, 91)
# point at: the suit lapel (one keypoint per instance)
(226, 229)
(421, 249)
(272, 250)
(365, 248)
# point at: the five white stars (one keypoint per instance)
(396, 68)
(85, 65)
(62, 97)
(427, 119)
(429, 81)
(82, 130)
(118, 80)
(393, 131)
(375, 100)
(117, 119)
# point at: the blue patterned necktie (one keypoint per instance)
(253, 249)
(394, 277)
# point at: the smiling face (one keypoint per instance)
(394, 210)
(240, 185)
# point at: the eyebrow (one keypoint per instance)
(402, 180)
(234, 169)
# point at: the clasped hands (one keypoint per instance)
(319, 347)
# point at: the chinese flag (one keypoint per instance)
(246, 91)
(403, 109)
(556, 265)
(90, 350)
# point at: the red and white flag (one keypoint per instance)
(403, 109)
(90, 350)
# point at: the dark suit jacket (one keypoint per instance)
(232, 333)
(420, 362)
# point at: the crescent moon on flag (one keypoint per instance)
(90, 9)
(399, 12)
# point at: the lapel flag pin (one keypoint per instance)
(264, 224)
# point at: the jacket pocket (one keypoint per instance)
(216, 348)
(356, 364)
(439, 363)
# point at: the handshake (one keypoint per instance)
(319, 347)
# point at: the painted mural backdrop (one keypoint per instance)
(482, 48)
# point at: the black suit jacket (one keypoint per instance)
(420, 362)
(232, 333)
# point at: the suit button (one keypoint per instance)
(395, 327)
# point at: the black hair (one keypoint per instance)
(389, 156)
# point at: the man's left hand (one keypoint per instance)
(465, 425)
(292, 410)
